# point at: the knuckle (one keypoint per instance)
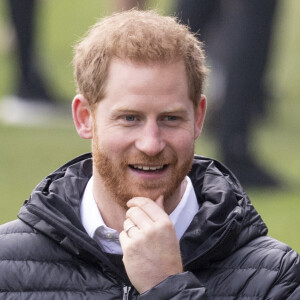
(145, 202)
(127, 223)
(150, 232)
(167, 225)
(131, 211)
(142, 201)
(131, 249)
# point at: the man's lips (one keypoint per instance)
(148, 168)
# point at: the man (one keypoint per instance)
(128, 223)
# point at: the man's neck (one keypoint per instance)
(112, 213)
(171, 203)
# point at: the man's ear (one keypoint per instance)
(82, 117)
(200, 116)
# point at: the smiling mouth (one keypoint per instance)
(145, 168)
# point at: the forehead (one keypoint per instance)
(125, 76)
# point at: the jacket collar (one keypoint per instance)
(226, 219)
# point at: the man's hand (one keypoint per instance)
(151, 248)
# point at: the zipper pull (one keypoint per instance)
(126, 290)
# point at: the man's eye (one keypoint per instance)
(130, 118)
(171, 118)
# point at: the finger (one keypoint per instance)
(124, 239)
(132, 230)
(129, 231)
(128, 226)
(152, 209)
(128, 223)
(160, 201)
(137, 216)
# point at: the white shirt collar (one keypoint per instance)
(107, 237)
(185, 211)
(90, 215)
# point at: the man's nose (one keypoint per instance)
(150, 141)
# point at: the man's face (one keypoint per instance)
(144, 130)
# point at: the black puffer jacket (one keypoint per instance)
(47, 254)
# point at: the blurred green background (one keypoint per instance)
(27, 154)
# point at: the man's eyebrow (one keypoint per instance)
(178, 110)
(124, 110)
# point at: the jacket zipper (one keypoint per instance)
(126, 290)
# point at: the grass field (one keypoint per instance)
(29, 154)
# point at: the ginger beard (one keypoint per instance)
(115, 176)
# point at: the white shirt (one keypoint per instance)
(108, 238)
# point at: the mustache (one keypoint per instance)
(143, 159)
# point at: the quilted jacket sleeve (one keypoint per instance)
(287, 284)
(177, 287)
